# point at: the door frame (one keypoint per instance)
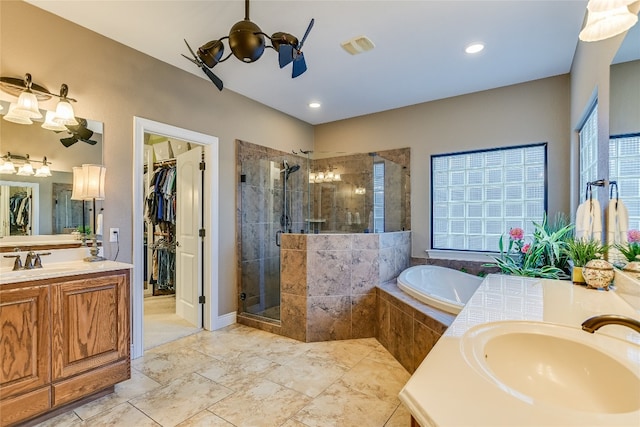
(210, 222)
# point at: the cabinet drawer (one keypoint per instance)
(90, 382)
(25, 406)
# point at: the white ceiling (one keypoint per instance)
(419, 54)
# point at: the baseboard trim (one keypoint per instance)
(224, 320)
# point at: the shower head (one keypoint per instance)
(292, 169)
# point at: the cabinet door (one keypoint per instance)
(24, 340)
(90, 324)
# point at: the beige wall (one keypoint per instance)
(531, 112)
(114, 83)
(624, 114)
(590, 81)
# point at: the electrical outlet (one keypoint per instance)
(114, 234)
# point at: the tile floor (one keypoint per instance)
(240, 376)
(161, 323)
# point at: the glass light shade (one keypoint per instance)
(320, 177)
(78, 184)
(64, 114)
(93, 181)
(360, 190)
(8, 167)
(43, 171)
(329, 176)
(336, 177)
(25, 170)
(605, 5)
(312, 177)
(13, 117)
(27, 105)
(49, 124)
(603, 25)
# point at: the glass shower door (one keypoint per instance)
(260, 206)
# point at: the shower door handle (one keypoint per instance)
(278, 233)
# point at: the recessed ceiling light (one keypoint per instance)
(474, 48)
(314, 105)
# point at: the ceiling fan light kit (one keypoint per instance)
(247, 42)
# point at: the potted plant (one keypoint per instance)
(580, 252)
(631, 251)
(542, 257)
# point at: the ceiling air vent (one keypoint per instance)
(358, 45)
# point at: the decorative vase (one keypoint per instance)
(576, 276)
(598, 274)
(633, 268)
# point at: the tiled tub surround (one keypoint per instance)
(445, 382)
(407, 328)
(328, 283)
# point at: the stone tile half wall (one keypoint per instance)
(329, 282)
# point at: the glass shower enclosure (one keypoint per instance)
(271, 193)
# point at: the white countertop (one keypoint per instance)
(59, 269)
(446, 391)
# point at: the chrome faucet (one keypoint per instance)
(594, 323)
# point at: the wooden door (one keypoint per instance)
(90, 323)
(24, 340)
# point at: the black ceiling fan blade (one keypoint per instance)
(299, 66)
(68, 142)
(285, 54)
(89, 141)
(306, 33)
(214, 79)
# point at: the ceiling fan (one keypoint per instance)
(78, 132)
(247, 43)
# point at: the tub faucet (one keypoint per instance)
(594, 323)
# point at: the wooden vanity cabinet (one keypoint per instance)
(25, 349)
(78, 346)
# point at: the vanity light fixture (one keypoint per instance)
(27, 105)
(30, 93)
(49, 124)
(43, 171)
(7, 167)
(26, 169)
(360, 190)
(14, 117)
(607, 18)
(324, 176)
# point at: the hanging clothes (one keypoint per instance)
(164, 265)
(589, 221)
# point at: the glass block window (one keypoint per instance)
(588, 151)
(624, 168)
(477, 196)
(378, 197)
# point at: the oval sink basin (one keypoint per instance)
(565, 367)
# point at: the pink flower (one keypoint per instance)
(525, 248)
(633, 236)
(516, 233)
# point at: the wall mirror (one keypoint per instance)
(624, 124)
(51, 210)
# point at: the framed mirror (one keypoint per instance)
(51, 210)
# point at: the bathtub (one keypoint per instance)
(440, 287)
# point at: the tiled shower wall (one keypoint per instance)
(329, 282)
